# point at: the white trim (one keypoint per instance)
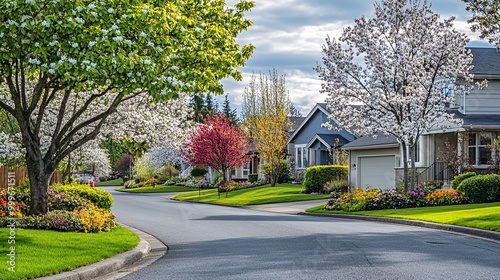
(317, 137)
(370, 147)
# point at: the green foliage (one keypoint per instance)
(198, 171)
(481, 188)
(283, 170)
(59, 220)
(166, 172)
(100, 198)
(459, 178)
(317, 176)
(336, 185)
(116, 149)
(253, 177)
(145, 168)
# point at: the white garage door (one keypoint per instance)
(377, 172)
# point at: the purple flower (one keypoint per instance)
(412, 193)
(457, 194)
(422, 194)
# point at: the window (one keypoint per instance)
(301, 156)
(417, 152)
(246, 170)
(479, 148)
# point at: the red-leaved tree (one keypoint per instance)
(217, 144)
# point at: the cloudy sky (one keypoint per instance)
(289, 34)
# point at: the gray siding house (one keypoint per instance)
(441, 154)
(311, 144)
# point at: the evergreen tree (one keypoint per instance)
(293, 111)
(198, 105)
(227, 112)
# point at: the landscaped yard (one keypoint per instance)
(44, 252)
(110, 183)
(253, 196)
(483, 216)
(158, 189)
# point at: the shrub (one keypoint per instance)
(94, 219)
(59, 220)
(481, 188)
(317, 176)
(458, 179)
(253, 177)
(284, 172)
(198, 171)
(100, 198)
(61, 201)
(356, 200)
(336, 185)
(20, 204)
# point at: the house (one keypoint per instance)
(441, 154)
(253, 167)
(311, 144)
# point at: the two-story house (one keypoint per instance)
(441, 154)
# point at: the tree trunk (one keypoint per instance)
(413, 149)
(39, 182)
(405, 166)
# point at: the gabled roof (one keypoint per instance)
(369, 142)
(318, 106)
(295, 121)
(329, 140)
(486, 61)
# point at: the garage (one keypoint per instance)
(376, 171)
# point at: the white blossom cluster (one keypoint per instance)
(10, 149)
(386, 74)
(93, 158)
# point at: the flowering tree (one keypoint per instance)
(217, 144)
(93, 158)
(106, 52)
(385, 74)
(265, 108)
(485, 18)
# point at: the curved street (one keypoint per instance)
(218, 242)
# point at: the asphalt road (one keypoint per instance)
(217, 242)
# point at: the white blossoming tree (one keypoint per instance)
(385, 74)
(106, 52)
(485, 19)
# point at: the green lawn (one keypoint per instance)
(111, 183)
(158, 189)
(253, 196)
(482, 216)
(43, 252)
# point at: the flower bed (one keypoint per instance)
(374, 199)
(71, 208)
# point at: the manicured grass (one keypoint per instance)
(482, 216)
(111, 183)
(43, 252)
(158, 189)
(253, 196)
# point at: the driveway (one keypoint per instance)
(217, 242)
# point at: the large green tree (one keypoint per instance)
(106, 52)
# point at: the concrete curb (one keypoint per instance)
(118, 265)
(480, 233)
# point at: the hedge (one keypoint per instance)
(198, 171)
(100, 198)
(317, 176)
(460, 178)
(253, 177)
(481, 188)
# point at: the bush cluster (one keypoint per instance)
(71, 208)
(284, 172)
(317, 176)
(100, 198)
(481, 188)
(459, 178)
(253, 177)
